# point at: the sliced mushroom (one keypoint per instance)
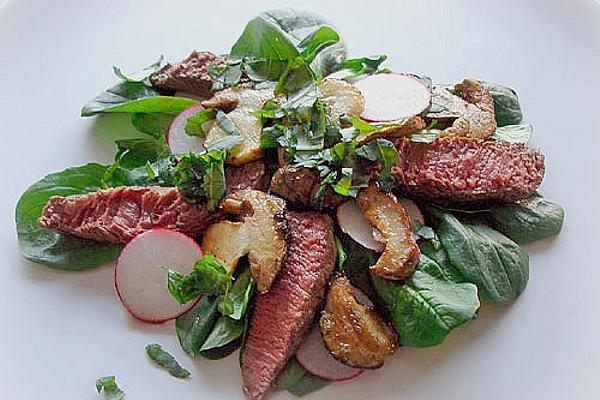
(260, 234)
(341, 98)
(402, 129)
(389, 217)
(240, 103)
(471, 115)
(354, 333)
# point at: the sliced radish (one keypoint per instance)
(352, 222)
(178, 140)
(414, 213)
(314, 357)
(141, 279)
(393, 97)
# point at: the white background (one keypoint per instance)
(60, 331)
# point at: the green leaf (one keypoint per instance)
(355, 67)
(278, 34)
(240, 295)
(297, 76)
(528, 220)
(194, 326)
(307, 384)
(291, 374)
(357, 264)
(443, 268)
(225, 331)
(134, 97)
(341, 254)
(384, 151)
(226, 123)
(225, 143)
(207, 278)
(506, 104)
(108, 386)
(54, 249)
(425, 309)
(514, 133)
(155, 125)
(361, 125)
(201, 177)
(167, 361)
(496, 264)
(139, 76)
(193, 125)
(319, 40)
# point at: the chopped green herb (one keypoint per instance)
(201, 177)
(108, 386)
(193, 125)
(167, 361)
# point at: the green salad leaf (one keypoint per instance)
(194, 326)
(485, 257)
(155, 124)
(528, 220)
(134, 97)
(201, 177)
(167, 361)
(291, 374)
(286, 34)
(514, 133)
(356, 67)
(193, 125)
(108, 386)
(506, 104)
(425, 309)
(307, 384)
(207, 278)
(442, 268)
(225, 331)
(54, 249)
(139, 76)
(238, 297)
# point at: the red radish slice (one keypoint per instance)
(141, 279)
(393, 97)
(180, 142)
(352, 222)
(314, 357)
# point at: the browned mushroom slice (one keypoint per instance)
(240, 104)
(341, 98)
(471, 115)
(389, 217)
(353, 333)
(402, 129)
(260, 234)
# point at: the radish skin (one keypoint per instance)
(314, 357)
(141, 277)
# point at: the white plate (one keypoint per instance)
(61, 331)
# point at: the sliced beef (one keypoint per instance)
(468, 170)
(117, 215)
(299, 186)
(283, 315)
(248, 176)
(190, 75)
(471, 115)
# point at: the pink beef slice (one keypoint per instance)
(117, 215)
(190, 75)
(463, 170)
(283, 315)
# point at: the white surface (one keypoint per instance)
(61, 331)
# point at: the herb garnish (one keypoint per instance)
(108, 386)
(163, 359)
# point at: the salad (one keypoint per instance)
(312, 210)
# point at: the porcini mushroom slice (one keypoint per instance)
(354, 334)
(260, 234)
(240, 103)
(341, 98)
(394, 230)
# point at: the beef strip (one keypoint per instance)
(462, 170)
(248, 176)
(298, 186)
(190, 75)
(283, 315)
(117, 215)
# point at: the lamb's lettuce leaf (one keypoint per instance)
(155, 125)
(54, 249)
(506, 104)
(514, 133)
(139, 76)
